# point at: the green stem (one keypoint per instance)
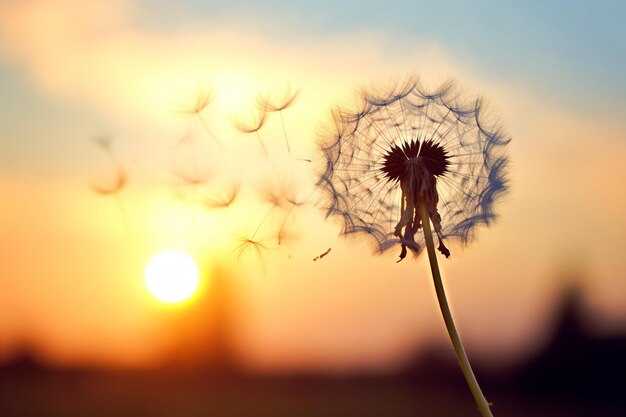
(483, 405)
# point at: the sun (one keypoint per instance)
(172, 277)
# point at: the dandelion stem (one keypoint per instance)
(263, 221)
(258, 135)
(282, 121)
(282, 226)
(482, 403)
(209, 131)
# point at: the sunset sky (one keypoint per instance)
(72, 261)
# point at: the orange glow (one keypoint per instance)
(72, 262)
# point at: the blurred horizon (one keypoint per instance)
(575, 370)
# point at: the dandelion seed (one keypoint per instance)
(253, 125)
(245, 243)
(295, 200)
(225, 199)
(275, 201)
(271, 105)
(272, 193)
(277, 196)
(281, 229)
(121, 178)
(405, 158)
(204, 98)
(190, 177)
(285, 235)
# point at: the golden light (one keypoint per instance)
(172, 276)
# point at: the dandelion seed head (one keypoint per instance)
(277, 104)
(404, 145)
(204, 97)
(252, 124)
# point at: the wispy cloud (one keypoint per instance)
(99, 52)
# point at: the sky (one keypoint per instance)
(71, 261)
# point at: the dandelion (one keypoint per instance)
(272, 106)
(407, 157)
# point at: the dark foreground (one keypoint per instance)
(431, 392)
(578, 373)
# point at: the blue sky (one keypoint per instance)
(568, 49)
(571, 54)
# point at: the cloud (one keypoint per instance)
(98, 52)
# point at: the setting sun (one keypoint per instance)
(172, 277)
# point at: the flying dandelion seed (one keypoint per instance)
(224, 199)
(191, 176)
(404, 145)
(245, 243)
(294, 200)
(273, 105)
(121, 178)
(273, 196)
(204, 98)
(405, 158)
(253, 125)
(285, 237)
(278, 194)
(120, 181)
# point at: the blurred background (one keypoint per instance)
(130, 128)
